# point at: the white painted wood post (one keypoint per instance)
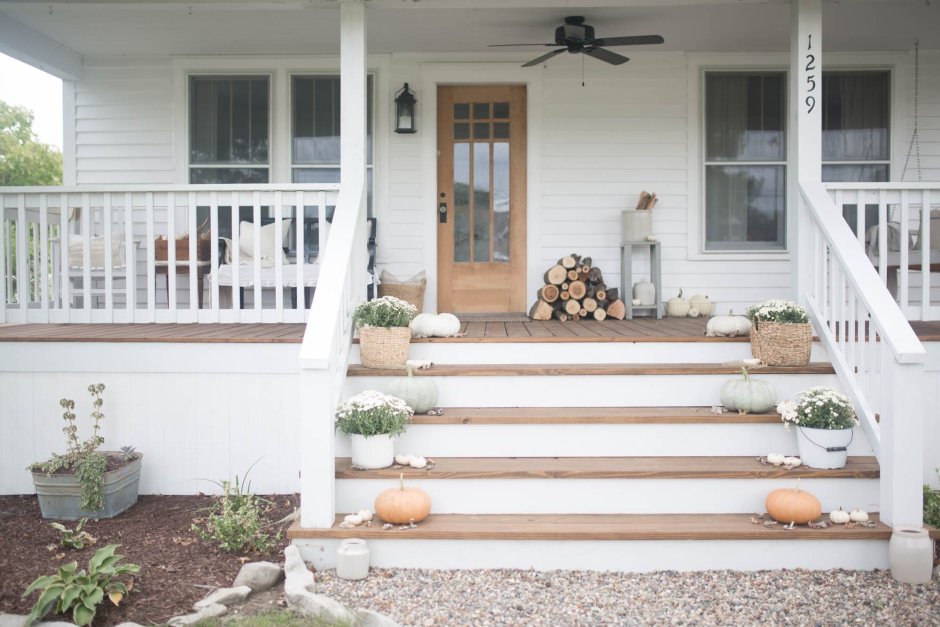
(806, 128)
(902, 441)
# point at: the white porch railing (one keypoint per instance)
(903, 242)
(876, 355)
(94, 254)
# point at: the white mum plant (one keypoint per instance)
(387, 312)
(372, 413)
(778, 311)
(818, 408)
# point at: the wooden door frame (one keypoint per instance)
(434, 74)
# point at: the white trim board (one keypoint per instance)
(434, 74)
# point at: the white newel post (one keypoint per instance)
(806, 122)
(318, 382)
(902, 442)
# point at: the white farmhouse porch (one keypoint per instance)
(511, 466)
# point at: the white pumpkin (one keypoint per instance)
(353, 519)
(753, 396)
(419, 462)
(403, 460)
(857, 515)
(430, 325)
(365, 515)
(677, 307)
(701, 303)
(792, 462)
(728, 326)
(776, 459)
(694, 312)
(419, 393)
(839, 516)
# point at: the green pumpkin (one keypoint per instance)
(419, 393)
(747, 395)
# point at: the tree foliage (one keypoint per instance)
(23, 159)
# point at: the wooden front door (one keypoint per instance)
(481, 178)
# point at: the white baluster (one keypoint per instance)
(64, 282)
(214, 251)
(151, 262)
(279, 258)
(904, 270)
(86, 255)
(43, 274)
(130, 259)
(256, 258)
(108, 260)
(236, 258)
(195, 291)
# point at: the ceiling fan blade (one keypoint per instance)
(639, 40)
(605, 55)
(546, 57)
(504, 45)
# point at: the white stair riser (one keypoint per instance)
(608, 496)
(611, 555)
(582, 352)
(631, 440)
(591, 391)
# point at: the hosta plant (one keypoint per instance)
(818, 408)
(387, 312)
(75, 538)
(79, 592)
(777, 311)
(372, 413)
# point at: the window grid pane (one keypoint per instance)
(229, 119)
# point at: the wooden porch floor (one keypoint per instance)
(475, 327)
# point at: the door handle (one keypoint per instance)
(442, 209)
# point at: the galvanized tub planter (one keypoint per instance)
(60, 494)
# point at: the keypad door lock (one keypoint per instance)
(442, 209)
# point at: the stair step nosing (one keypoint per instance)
(522, 370)
(588, 415)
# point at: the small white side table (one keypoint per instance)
(626, 277)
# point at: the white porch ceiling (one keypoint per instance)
(209, 27)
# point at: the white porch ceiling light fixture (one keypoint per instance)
(405, 110)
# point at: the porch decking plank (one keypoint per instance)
(476, 329)
(581, 329)
(590, 415)
(517, 329)
(537, 329)
(609, 468)
(495, 329)
(596, 527)
(493, 370)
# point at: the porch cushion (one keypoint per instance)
(97, 250)
(268, 276)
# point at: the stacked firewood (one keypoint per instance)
(575, 290)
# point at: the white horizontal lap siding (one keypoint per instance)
(929, 119)
(124, 122)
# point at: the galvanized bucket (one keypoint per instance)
(60, 495)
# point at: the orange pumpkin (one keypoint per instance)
(403, 505)
(796, 506)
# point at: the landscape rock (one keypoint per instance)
(318, 606)
(212, 611)
(224, 596)
(12, 620)
(129, 624)
(258, 576)
(368, 618)
(296, 574)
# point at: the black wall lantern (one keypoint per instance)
(405, 111)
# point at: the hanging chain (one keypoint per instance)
(914, 147)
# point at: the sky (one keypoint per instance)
(22, 84)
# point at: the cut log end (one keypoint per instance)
(599, 314)
(555, 275)
(541, 310)
(616, 310)
(549, 293)
(577, 289)
(572, 307)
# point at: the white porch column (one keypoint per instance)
(319, 391)
(806, 124)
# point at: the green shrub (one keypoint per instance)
(932, 505)
(236, 521)
(74, 591)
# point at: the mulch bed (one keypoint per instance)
(176, 568)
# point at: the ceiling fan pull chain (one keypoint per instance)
(914, 147)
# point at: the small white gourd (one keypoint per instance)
(353, 519)
(753, 396)
(793, 462)
(776, 459)
(365, 515)
(701, 303)
(728, 326)
(637, 302)
(677, 307)
(419, 462)
(858, 516)
(839, 516)
(403, 460)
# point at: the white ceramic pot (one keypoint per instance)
(352, 559)
(645, 292)
(823, 448)
(910, 554)
(377, 451)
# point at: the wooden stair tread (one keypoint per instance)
(492, 370)
(589, 415)
(607, 468)
(593, 527)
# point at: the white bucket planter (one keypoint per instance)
(823, 448)
(377, 451)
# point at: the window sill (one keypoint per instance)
(744, 255)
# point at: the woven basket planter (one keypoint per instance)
(782, 343)
(409, 292)
(381, 347)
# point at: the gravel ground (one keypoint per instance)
(556, 598)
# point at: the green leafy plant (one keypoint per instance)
(372, 413)
(74, 538)
(82, 458)
(387, 312)
(777, 311)
(818, 408)
(932, 504)
(79, 592)
(237, 520)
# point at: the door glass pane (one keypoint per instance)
(481, 130)
(461, 110)
(481, 202)
(481, 110)
(744, 117)
(501, 130)
(501, 201)
(461, 202)
(744, 204)
(500, 109)
(462, 131)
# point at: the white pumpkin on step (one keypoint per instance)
(728, 326)
(430, 325)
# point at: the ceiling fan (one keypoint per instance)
(578, 37)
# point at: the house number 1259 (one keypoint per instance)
(810, 78)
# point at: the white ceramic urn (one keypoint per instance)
(645, 292)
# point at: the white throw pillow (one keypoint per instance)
(270, 244)
(96, 251)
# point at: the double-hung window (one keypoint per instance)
(229, 129)
(745, 161)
